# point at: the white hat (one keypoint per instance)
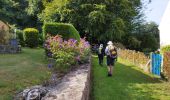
(101, 45)
(109, 43)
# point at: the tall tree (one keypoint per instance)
(101, 20)
(22, 13)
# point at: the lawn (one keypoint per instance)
(127, 83)
(18, 71)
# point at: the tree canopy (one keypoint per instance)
(101, 20)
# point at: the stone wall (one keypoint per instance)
(87, 88)
(74, 86)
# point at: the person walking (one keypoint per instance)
(111, 54)
(101, 54)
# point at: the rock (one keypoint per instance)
(32, 93)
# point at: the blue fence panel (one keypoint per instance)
(156, 64)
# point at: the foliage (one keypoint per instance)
(22, 13)
(66, 30)
(134, 43)
(165, 48)
(97, 20)
(31, 37)
(67, 53)
(20, 37)
(4, 36)
(148, 34)
(119, 45)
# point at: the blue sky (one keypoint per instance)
(155, 10)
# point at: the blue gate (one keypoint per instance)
(156, 63)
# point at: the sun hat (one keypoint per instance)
(110, 43)
(101, 45)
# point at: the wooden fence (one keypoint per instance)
(136, 58)
(166, 65)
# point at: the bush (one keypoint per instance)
(67, 53)
(31, 37)
(4, 36)
(20, 37)
(134, 43)
(165, 48)
(40, 39)
(66, 30)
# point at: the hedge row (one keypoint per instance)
(66, 30)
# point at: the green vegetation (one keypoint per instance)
(18, 71)
(31, 37)
(66, 30)
(67, 54)
(121, 21)
(127, 83)
(20, 37)
(98, 20)
(165, 49)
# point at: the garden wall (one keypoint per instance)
(166, 64)
(136, 58)
(74, 86)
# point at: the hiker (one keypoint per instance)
(101, 54)
(111, 54)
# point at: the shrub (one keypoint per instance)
(66, 30)
(4, 36)
(119, 45)
(133, 42)
(67, 53)
(40, 39)
(20, 37)
(31, 37)
(165, 48)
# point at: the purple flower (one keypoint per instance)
(50, 65)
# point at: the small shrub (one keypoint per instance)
(119, 45)
(66, 30)
(20, 37)
(165, 49)
(67, 53)
(31, 37)
(40, 40)
(4, 36)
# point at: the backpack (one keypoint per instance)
(113, 53)
(100, 51)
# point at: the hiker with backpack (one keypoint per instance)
(101, 54)
(111, 54)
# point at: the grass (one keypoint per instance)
(18, 71)
(127, 83)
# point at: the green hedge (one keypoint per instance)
(31, 37)
(66, 30)
(20, 37)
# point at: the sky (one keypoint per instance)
(155, 10)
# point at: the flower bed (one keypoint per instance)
(66, 53)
